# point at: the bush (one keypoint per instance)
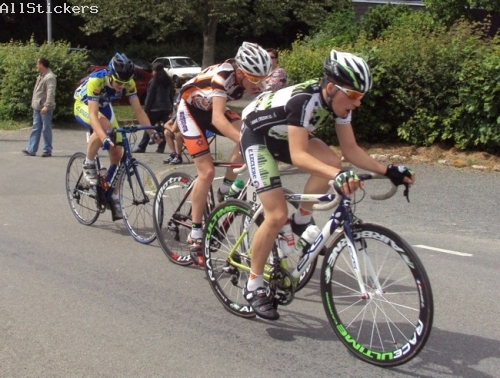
(379, 18)
(339, 29)
(477, 114)
(18, 76)
(431, 84)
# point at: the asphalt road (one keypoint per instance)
(90, 301)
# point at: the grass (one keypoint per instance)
(14, 125)
(123, 112)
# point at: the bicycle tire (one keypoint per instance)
(172, 217)
(388, 327)
(137, 201)
(82, 197)
(227, 281)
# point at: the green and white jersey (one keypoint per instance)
(300, 105)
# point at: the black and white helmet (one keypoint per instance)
(253, 60)
(348, 69)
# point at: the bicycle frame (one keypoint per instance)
(247, 189)
(340, 218)
(124, 164)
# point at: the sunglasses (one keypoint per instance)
(351, 93)
(254, 79)
(272, 57)
(119, 82)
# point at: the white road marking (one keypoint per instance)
(443, 250)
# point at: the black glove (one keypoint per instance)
(397, 174)
(342, 177)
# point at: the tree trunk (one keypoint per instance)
(209, 34)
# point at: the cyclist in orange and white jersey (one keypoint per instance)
(203, 107)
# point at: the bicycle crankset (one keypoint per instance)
(281, 284)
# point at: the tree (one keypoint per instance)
(449, 11)
(163, 18)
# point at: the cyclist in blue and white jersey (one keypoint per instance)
(93, 110)
(277, 126)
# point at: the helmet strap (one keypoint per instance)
(330, 96)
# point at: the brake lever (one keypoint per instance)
(406, 193)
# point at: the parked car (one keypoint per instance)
(179, 68)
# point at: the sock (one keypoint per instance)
(196, 231)
(115, 196)
(88, 161)
(302, 216)
(255, 281)
(226, 184)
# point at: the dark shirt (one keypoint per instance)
(159, 97)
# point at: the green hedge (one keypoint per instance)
(431, 84)
(18, 76)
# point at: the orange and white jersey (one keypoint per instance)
(215, 81)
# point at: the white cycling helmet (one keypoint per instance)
(253, 60)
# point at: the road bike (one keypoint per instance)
(137, 186)
(172, 215)
(375, 291)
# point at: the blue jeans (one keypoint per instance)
(42, 124)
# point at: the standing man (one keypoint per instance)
(43, 104)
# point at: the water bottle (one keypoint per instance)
(287, 243)
(102, 176)
(235, 189)
(306, 239)
(111, 172)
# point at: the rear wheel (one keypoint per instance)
(222, 233)
(172, 217)
(390, 324)
(137, 193)
(82, 197)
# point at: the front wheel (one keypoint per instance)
(82, 197)
(137, 193)
(389, 324)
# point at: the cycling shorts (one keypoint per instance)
(261, 153)
(83, 118)
(193, 124)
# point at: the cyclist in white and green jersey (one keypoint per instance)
(277, 126)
